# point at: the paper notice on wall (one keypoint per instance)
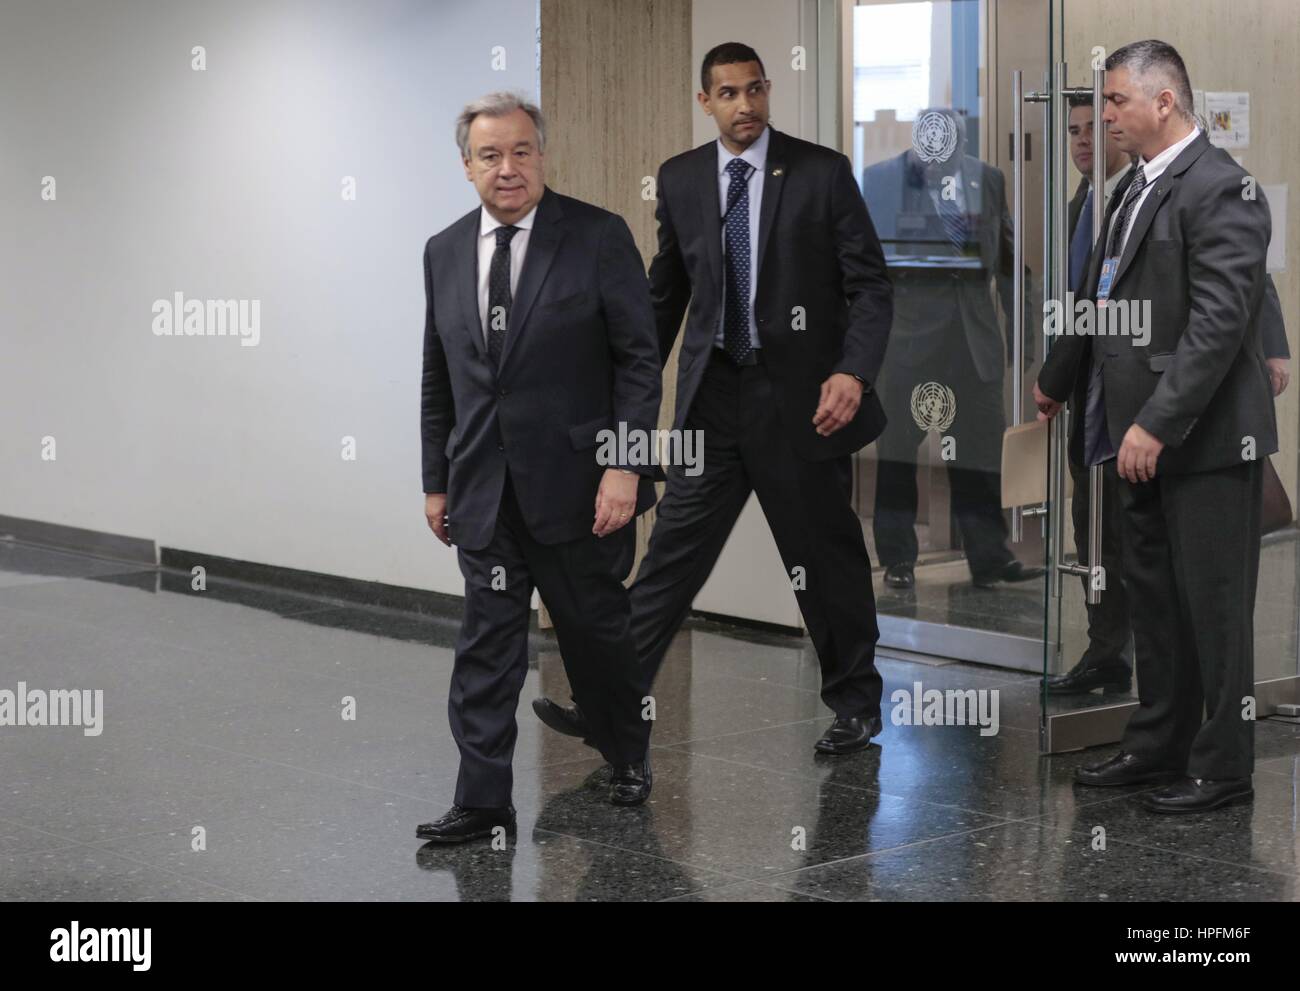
(1276, 196)
(1229, 118)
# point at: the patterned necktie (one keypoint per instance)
(1121, 219)
(735, 321)
(954, 223)
(499, 294)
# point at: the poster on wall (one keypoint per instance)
(1229, 118)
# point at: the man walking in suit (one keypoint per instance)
(767, 239)
(539, 335)
(1185, 412)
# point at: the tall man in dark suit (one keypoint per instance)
(767, 239)
(1186, 415)
(1107, 662)
(539, 334)
(947, 210)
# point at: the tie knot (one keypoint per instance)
(738, 168)
(1139, 177)
(504, 234)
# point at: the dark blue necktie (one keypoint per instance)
(735, 321)
(1081, 243)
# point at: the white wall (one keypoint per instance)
(224, 184)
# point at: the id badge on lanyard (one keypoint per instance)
(1106, 280)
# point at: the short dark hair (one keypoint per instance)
(1152, 57)
(728, 53)
(1080, 100)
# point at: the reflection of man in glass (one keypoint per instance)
(942, 218)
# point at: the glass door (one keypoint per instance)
(935, 135)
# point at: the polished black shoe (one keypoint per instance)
(1123, 769)
(631, 783)
(900, 576)
(568, 720)
(1109, 676)
(1198, 795)
(461, 824)
(1012, 571)
(848, 735)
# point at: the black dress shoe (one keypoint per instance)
(1012, 571)
(568, 720)
(1109, 676)
(460, 824)
(1123, 769)
(1198, 795)
(631, 783)
(848, 735)
(900, 576)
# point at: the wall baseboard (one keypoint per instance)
(351, 590)
(59, 536)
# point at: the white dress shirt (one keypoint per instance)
(1152, 170)
(755, 155)
(487, 246)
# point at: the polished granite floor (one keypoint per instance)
(222, 714)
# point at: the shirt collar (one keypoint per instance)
(488, 223)
(1115, 180)
(1154, 168)
(755, 154)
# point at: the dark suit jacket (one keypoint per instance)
(1272, 327)
(1196, 251)
(579, 356)
(929, 302)
(817, 250)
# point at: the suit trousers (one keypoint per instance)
(579, 581)
(1191, 561)
(1109, 631)
(807, 505)
(975, 474)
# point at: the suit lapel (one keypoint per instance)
(1095, 256)
(706, 185)
(773, 183)
(1156, 199)
(467, 279)
(543, 243)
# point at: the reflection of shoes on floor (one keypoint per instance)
(1012, 571)
(1198, 795)
(1109, 676)
(900, 576)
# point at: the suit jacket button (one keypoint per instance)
(505, 392)
(501, 447)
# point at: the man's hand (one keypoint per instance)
(841, 397)
(1137, 455)
(615, 501)
(1047, 406)
(435, 513)
(1279, 373)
